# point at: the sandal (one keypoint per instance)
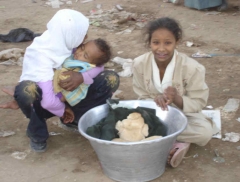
(182, 149)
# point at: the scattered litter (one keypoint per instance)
(86, 1)
(19, 35)
(209, 107)
(6, 133)
(126, 65)
(48, 3)
(226, 115)
(231, 137)
(238, 119)
(225, 55)
(116, 20)
(219, 70)
(201, 54)
(119, 7)
(191, 156)
(215, 116)
(2, 7)
(99, 6)
(189, 44)
(12, 56)
(111, 69)
(194, 27)
(95, 23)
(54, 134)
(109, 64)
(55, 3)
(127, 71)
(196, 155)
(127, 31)
(218, 159)
(19, 155)
(120, 52)
(69, 2)
(94, 12)
(238, 147)
(213, 13)
(120, 60)
(232, 105)
(19, 62)
(124, 20)
(141, 24)
(226, 90)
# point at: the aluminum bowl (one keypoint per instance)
(135, 161)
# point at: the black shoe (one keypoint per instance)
(70, 125)
(38, 146)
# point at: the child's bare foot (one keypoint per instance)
(9, 90)
(10, 105)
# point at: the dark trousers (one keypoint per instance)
(28, 96)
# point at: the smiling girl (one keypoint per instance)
(172, 78)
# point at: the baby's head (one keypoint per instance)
(96, 52)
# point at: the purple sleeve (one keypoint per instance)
(50, 101)
(90, 74)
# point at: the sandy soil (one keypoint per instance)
(69, 156)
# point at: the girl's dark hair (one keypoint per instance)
(105, 49)
(163, 23)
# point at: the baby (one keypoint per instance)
(89, 55)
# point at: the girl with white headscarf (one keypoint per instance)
(65, 31)
(34, 94)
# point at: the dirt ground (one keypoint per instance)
(69, 156)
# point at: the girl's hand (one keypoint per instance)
(168, 97)
(71, 83)
(170, 93)
(161, 101)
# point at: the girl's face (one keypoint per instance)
(163, 44)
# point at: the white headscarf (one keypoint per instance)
(65, 31)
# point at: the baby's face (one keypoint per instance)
(88, 52)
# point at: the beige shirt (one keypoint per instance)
(188, 78)
(168, 76)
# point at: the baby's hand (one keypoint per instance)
(68, 115)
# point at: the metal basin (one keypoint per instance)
(135, 161)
